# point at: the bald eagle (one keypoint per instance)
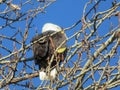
(47, 44)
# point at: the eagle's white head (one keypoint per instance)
(44, 76)
(51, 27)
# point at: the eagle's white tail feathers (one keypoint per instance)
(44, 76)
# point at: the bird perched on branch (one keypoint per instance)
(49, 49)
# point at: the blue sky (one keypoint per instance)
(63, 13)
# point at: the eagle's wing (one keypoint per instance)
(59, 44)
(40, 48)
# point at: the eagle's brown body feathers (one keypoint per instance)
(45, 48)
